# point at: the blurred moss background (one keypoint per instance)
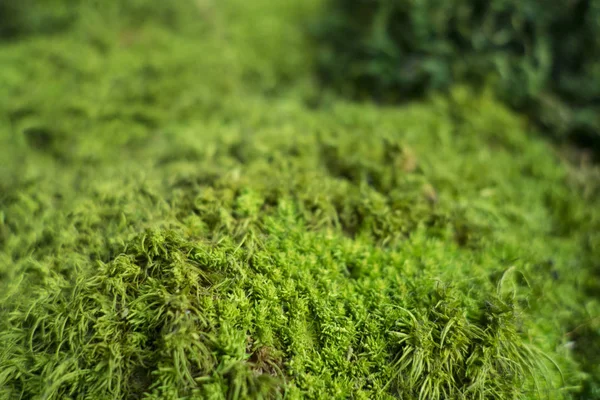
(541, 58)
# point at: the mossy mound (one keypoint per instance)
(174, 225)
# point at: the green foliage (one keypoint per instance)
(23, 17)
(174, 225)
(540, 57)
(29, 18)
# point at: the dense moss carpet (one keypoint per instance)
(184, 215)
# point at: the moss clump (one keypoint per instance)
(173, 227)
(141, 323)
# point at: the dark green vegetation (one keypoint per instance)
(183, 216)
(540, 57)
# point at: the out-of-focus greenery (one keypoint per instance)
(25, 17)
(182, 215)
(541, 57)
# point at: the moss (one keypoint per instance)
(540, 59)
(174, 225)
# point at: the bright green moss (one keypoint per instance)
(174, 225)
